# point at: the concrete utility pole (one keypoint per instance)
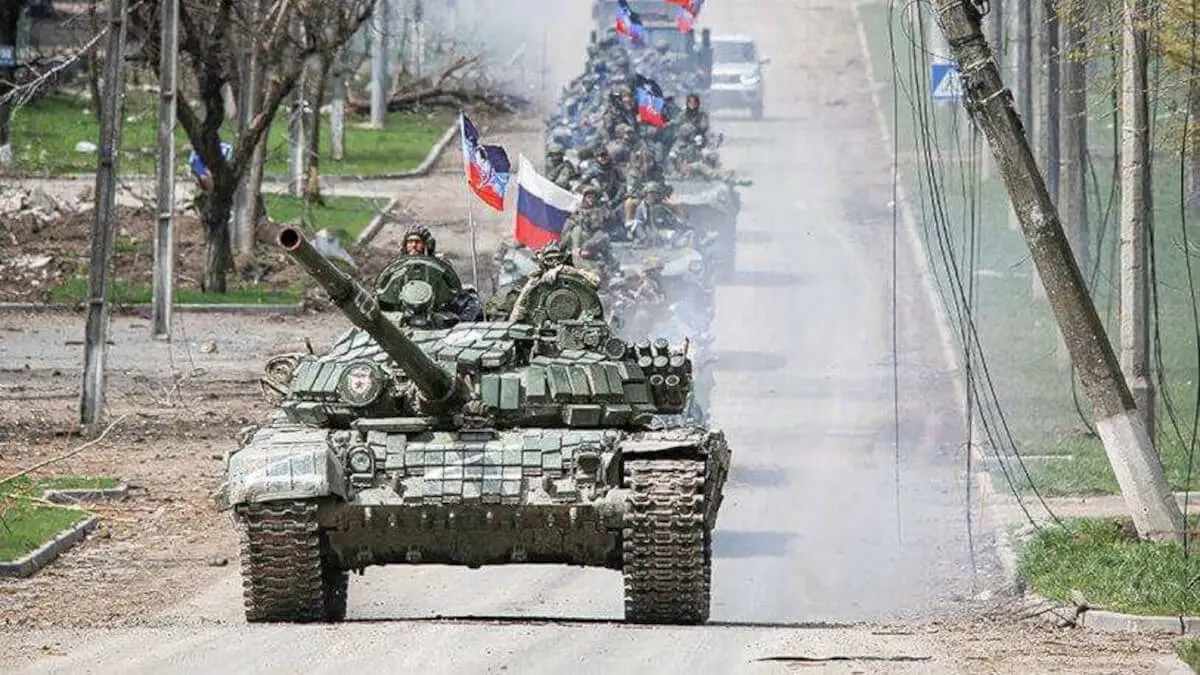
(337, 109)
(111, 113)
(1138, 469)
(10, 22)
(998, 36)
(298, 135)
(1135, 213)
(1025, 65)
(1053, 101)
(418, 39)
(379, 64)
(164, 233)
(245, 199)
(1073, 194)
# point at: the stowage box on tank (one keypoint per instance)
(474, 444)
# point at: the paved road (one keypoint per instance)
(815, 527)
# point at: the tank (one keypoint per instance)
(478, 443)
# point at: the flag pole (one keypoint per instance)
(474, 246)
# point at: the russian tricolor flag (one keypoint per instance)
(542, 207)
(650, 102)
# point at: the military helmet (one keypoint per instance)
(421, 232)
(653, 186)
(555, 150)
(589, 187)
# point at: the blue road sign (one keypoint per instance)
(8, 56)
(944, 82)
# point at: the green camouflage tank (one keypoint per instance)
(474, 443)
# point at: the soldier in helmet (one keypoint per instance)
(558, 169)
(607, 177)
(553, 262)
(694, 117)
(586, 233)
(418, 240)
(653, 215)
(644, 168)
(621, 110)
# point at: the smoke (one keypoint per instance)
(531, 47)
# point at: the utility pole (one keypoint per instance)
(337, 108)
(1135, 212)
(379, 65)
(1025, 64)
(164, 233)
(245, 199)
(1138, 470)
(1073, 195)
(1053, 100)
(298, 133)
(111, 113)
(418, 18)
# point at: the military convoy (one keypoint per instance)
(561, 421)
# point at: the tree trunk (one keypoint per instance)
(312, 186)
(217, 210)
(10, 17)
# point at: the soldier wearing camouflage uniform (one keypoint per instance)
(643, 169)
(607, 177)
(558, 169)
(652, 215)
(621, 110)
(554, 262)
(586, 233)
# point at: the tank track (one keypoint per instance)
(286, 574)
(667, 547)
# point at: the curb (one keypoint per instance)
(297, 308)
(28, 565)
(376, 223)
(1062, 614)
(77, 495)
(422, 169)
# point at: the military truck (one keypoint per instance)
(474, 443)
(658, 18)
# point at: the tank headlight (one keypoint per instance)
(361, 383)
(360, 460)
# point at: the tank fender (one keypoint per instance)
(673, 443)
(283, 464)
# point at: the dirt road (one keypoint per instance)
(825, 520)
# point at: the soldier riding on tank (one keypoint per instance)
(424, 287)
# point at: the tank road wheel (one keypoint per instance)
(286, 574)
(667, 548)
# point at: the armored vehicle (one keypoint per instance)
(661, 25)
(475, 443)
(711, 206)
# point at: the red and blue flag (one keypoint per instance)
(629, 23)
(542, 207)
(685, 15)
(651, 104)
(692, 6)
(487, 166)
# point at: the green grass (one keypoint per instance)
(1188, 651)
(25, 525)
(1104, 561)
(45, 134)
(1044, 408)
(79, 483)
(123, 293)
(348, 214)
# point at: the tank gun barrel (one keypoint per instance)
(362, 308)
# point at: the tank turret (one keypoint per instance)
(362, 308)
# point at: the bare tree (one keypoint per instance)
(211, 34)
